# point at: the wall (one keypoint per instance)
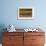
(8, 13)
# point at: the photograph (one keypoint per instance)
(25, 13)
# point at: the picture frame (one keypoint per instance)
(25, 13)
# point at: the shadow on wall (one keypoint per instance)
(2, 26)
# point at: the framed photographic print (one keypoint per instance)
(25, 13)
